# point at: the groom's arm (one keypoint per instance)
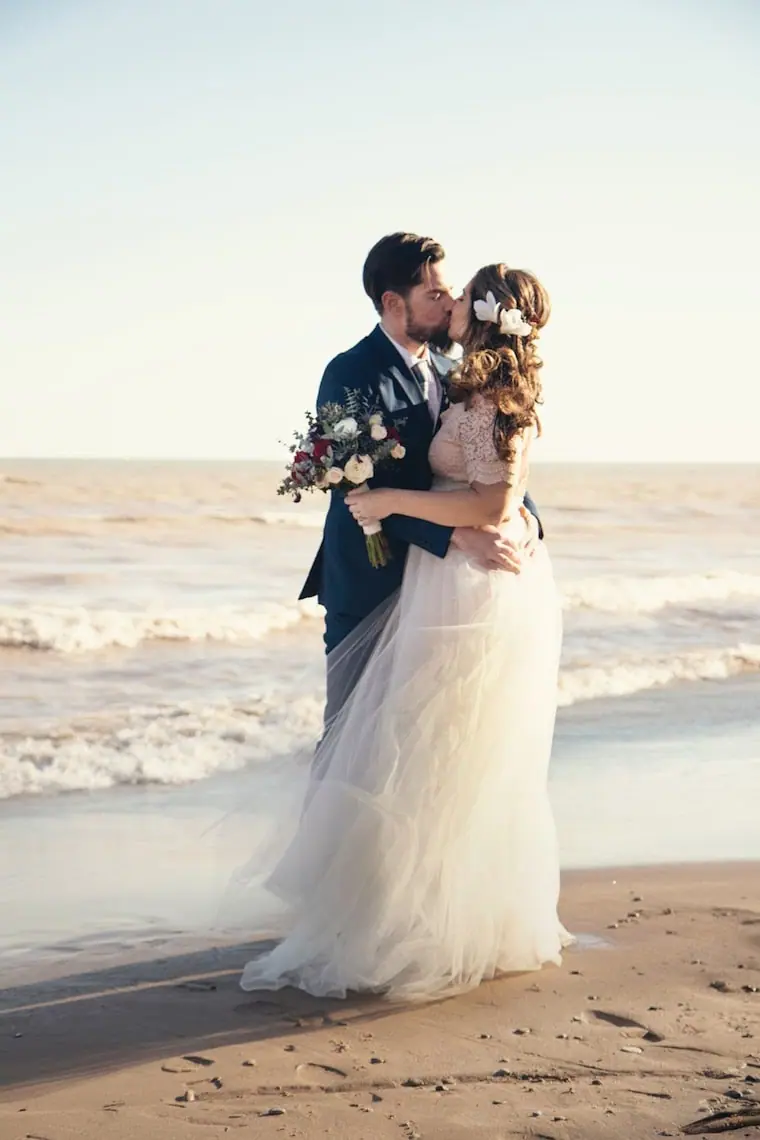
(531, 506)
(432, 537)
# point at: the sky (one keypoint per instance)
(188, 189)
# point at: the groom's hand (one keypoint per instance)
(488, 548)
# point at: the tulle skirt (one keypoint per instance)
(425, 859)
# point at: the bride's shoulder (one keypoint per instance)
(477, 436)
(477, 414)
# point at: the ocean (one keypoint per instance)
(160, 676)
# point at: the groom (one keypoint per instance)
(398, 368)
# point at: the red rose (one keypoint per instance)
(321, 448)
(394, 435)
(300, 457)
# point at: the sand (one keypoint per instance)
(652, 1023)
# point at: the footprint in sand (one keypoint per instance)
(331, 1070)
(617, 1019)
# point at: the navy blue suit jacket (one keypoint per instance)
(341, 577)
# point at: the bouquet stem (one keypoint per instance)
(378, 550)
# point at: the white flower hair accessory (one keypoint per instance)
(510, 321)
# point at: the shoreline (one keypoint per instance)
(634, 781)
(662, 990)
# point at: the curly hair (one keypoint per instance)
(504, 369)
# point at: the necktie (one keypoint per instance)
(431, 387)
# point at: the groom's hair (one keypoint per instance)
(397, 263)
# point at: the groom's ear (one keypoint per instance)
(392, 303)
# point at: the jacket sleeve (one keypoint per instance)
(534, 511)
(417, 532)
(332, 389)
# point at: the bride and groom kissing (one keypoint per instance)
(425, 858)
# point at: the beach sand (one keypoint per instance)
(652, 1023)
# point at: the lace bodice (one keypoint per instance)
(463, 451)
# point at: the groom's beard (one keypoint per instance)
(439, 338)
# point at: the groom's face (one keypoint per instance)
(428, 307)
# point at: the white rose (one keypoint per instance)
(376, 418)
(398, 452)
(345, 429)
(377, 431)
(335, 475)
(359, 469)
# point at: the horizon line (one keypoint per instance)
(538, 462)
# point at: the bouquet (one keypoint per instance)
(342, 447)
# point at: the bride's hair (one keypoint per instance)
(504, 368)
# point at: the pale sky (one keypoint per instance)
(188, 189)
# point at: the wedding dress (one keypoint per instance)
(425, 858)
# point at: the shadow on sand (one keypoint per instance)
(99, 1020)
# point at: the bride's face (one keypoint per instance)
(461, 314)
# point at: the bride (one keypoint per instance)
(426, 858)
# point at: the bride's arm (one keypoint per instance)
(484, 504)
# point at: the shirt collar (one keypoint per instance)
(405, 354)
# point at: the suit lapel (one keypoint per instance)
(406, 387)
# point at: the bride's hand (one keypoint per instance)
(371, 506)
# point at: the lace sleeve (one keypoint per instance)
(481, 460)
